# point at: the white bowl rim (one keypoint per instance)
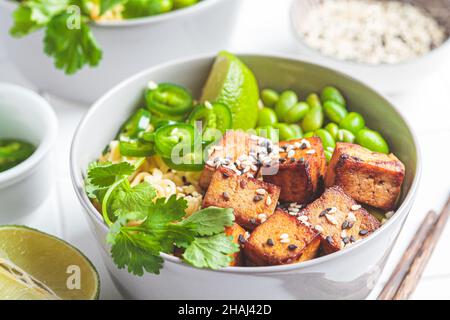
(346, 63)
(145, 20)
(76, 176)
(50, 123)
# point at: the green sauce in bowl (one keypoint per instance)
(13, 152)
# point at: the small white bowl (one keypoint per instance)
(25, 115)
(388, 78)
(128, 47)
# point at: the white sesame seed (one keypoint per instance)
(332, 210)
(343, 234)
(284, 236)
(291, 153)
(210, 163)
(355, 207)
(262, 216)
(208, 105)
(292, 204)
(331, 219)
(268, 201)
(306, 142)
(292, 213)
(246, 235)
(285, 240)
(297, 144)
(249, 175)
(261, 191)
(303, 218)
(152, 85)
(318, 228)
(351, 217)
(311, 151)
(293, 209)
(289, 147)
(254, 168)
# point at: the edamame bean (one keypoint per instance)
(269, 97)
(328, 154)
(297, 112)
(313, 119)
(284, 131)
(287, 100)
(308, 134)
(353, 122)
(333, 129)
(334, 111)
(327, 139)
(330, 93)
(268, 132)
(297, 130)
(267, 117)
(344, 135)
(372, 140)
(177, 4)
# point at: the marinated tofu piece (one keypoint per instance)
(339, 219)
(237, 151)
(253, 200)
(368, 177)
(301, 170)
(240, 237)
(282, 239)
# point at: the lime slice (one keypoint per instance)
(35, 265)
(231, 82)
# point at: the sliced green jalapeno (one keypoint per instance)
(131, 142)
(170, 136)
(13, 152)
(213, 116)
(166, 99)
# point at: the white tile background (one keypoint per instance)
(263, 25)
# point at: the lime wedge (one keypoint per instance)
(231, 82)
(36, 265)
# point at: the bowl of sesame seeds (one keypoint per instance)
(391, 45)
(345, 274)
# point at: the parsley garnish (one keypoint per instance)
(141, 227)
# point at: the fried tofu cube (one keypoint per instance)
(234, 145)
(282, 239)
(368, 177)
(339, 219)
(301, 170)
(252, 200)
(239, 237)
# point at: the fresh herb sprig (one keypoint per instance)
(68, 37)
(141, 227)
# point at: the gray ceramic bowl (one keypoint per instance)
(350, 273)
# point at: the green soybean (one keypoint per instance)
(353, 122)
(313, 119)
(308, 134)
(269, 97)
(330, 93)
(328, 154)
(287, 100)
(297, 130)
(372, 140)
(267, 117)
(333, 129)
(285, 132)
(268, 132)
(334, 111)
(344, 135)
(297, 112)
(327, 139)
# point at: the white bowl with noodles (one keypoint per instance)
(27, 116)
(128, 46)
(389, 78)
(347, 274)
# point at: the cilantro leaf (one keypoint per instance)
(106, 5)
(105, 174)
(210, 252)
(71, 48)
(138, 253)
(165, 211)
(132, 199)
(209, 221)
(32, 15)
